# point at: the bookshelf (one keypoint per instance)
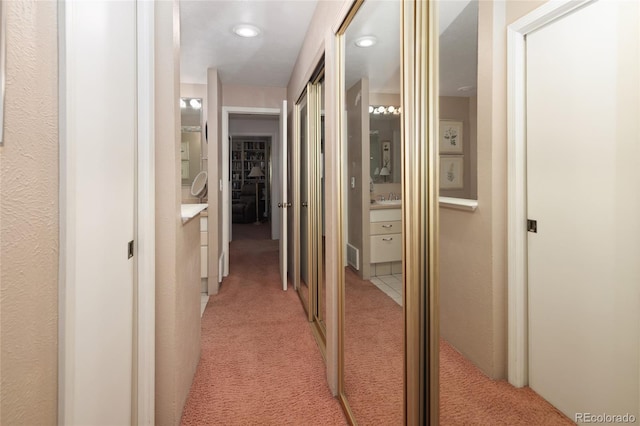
(247, 152)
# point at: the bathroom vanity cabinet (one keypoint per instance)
(385, 234)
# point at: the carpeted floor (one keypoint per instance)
(249, 231)
(373, 353)
(260, 364)
(374, 367)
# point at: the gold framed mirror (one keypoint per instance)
(309, 205)
(388, 374)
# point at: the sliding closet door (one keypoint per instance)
(98, 136)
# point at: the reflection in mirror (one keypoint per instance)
(384, 135)
(458, 61)
(321, 278)
(303, 280)
(373, 322)
(191, 139)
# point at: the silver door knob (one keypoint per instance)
(305, 204)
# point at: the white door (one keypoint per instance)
(98, 135)
(583, 183)
(283, 195)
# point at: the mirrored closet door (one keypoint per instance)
(309, 168)
(373, 318)
(387, 289)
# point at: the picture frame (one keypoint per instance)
(452, 172)
(451, 137)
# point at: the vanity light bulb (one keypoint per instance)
(391, 109)
(370, 109)
(183, 104)
(194, 103)
(381, 110)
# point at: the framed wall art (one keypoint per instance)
(452, 172)
(451, 137)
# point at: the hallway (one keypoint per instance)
(263, 366)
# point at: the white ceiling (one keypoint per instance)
(381, 62)
(267, 60)
(208, 42)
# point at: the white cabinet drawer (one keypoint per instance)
(204, 264)
(390, 227)
(203, 224)
(385, 215)
(386, 248)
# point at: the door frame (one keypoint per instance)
(226, 187)
(143, 353)
(518, 333)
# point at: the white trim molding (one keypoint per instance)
(144, 409)
(458, 203)
(518, 365)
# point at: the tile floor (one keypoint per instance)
(204, 299)
(391, 285)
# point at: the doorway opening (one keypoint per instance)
(250, 179)
(251, 172)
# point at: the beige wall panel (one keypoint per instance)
(177, 245)
(253, 96)
(29, 220)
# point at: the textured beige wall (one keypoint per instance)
(253, 96)
(29, 217)
(177, 246)
(473, 247)
(188, 300)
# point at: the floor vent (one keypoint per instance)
(353, 256)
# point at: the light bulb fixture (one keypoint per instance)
(183, 104)
(465, 88)
(385, 110)
(246, 30)
(195, 103)
(366, 41)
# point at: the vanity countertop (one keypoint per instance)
(378, 206)
(189, 211)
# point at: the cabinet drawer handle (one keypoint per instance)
(387, 239)
(387, 226)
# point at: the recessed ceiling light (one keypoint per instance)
(465, 88)
(366, 41)
(246, 30)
